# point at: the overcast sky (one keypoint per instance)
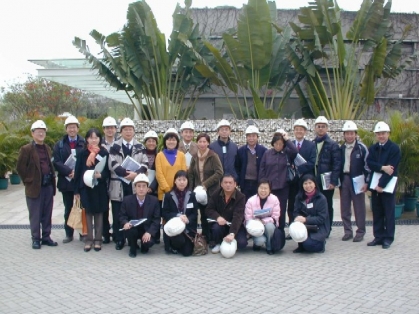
(44, 29)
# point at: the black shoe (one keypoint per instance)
(119, 245)
(288, 237)
(81, 237)
(269, 252)
(299, 250)
(97, 247)
(132, 253)
(374, 242)
(67, 239)
(36, 245)
(358, 238)
(106, 240)
(347, 237)
(87, 248)
(49, 242)
(256, 248)
(168, 251)
(386, 244)
(211, 244)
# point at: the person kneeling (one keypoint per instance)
(311, 209)
(263, 206)
(181, 202)
(226, 205)
(139, 206)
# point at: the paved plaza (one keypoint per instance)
(348, 278)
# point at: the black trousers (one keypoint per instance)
(204, 222)
(106, 225)
(250, 188)
(282, 196)
(68, 197)
(219, 232)
(293, 191)
(118, 236)
(329, 197)
(383, 220)
(182, 244)
(40, 212)
(136, 233)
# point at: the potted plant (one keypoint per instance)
(7, 160)
(405, 133)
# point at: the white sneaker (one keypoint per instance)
(216, 249)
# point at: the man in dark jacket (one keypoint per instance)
(383, 160)
(68, 146)
(35, 168)
(248, 161)
(225, 148)
(328, 161)
(307, 150)
(138, 206)
(226, 206)
(354, 174)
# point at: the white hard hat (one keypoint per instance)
(381, 127)
(201, 195)
(141, 178)
(174, 227)
(187, 125)
(223, 122)
(89, 178)
(39, 124)
(280, 131)
(301, 122)
(321, 119)
(71, 120)
(255, 227)
(126, 122)
(151, 134)
(228, 249)
(171, 130)
(251, 129)
(298, 231)
(109, 121)
(349, 126)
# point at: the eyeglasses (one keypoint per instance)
(321, 126)
(39, 132)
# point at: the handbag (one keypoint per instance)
(291, 173)
(84, 221)
(199, 244)
(75, 219)
(278, 240)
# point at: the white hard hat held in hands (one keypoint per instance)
(201, 195)
(174, 227)
(255, 227)
(228, 249)
(298, 231)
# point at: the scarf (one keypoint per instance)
(180, 195)
(320, 139)
(170, 155)
(201, 161)
(310, 195)
(92, 156)
(151, 155)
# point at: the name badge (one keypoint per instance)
(190, 205)
(98, 157)
(224, 150)
(358, 156)
(310, 205)
(73, 152)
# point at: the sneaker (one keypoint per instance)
(216, 249)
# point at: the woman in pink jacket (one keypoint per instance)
(264, 200)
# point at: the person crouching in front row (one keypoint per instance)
(226, 205)
(138, 206)
(181, 202)
(311, 209)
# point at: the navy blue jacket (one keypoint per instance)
(61, 152)
(390, 155)
(329, 159)
(241, 161)
(358, 164)
(308, 152)
(229, 158)
(315, 215)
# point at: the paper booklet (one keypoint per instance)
(326, 177)
(70, 163)
(389, 188)
(358, 183)
(213, 220)
(188, 157)
(101, 164)
(131, 165)
(262, 213)
(299, 160)
(135, 222)
(151, 175)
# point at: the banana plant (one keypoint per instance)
(138, 61)
(340, 83)
(253, 62)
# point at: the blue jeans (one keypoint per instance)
(266, 237)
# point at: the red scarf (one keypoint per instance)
(310, 195)
(92, 156)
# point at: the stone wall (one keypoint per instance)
(266, 128)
